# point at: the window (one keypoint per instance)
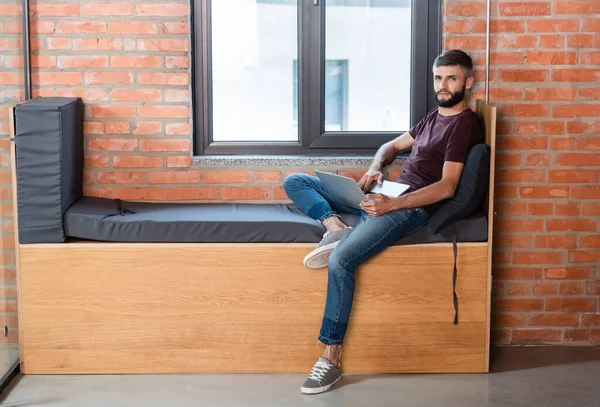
(310, 77)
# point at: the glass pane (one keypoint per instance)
(254, 46)
(367, 65)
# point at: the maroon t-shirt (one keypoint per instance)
(438, 139)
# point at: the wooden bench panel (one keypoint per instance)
(244, 308)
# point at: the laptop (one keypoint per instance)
(346, 191)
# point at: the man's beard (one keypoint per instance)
(454, 99)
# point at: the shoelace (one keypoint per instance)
(319, 371)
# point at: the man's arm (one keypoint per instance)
(433, 193)
(385, 156)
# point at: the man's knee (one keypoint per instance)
(294, 181)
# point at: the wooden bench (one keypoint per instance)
(94, 307)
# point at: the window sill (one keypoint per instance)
(288, 161)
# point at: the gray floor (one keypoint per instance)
(528, 377)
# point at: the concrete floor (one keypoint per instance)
(527, 377)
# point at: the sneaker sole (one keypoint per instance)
(317, 390)
(319, 258)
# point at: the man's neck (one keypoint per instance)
(454, 110)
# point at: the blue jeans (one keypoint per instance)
(371, 235)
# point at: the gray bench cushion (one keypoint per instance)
(113, 220)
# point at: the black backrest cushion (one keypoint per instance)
(470, 192)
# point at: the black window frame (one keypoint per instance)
(426, 46)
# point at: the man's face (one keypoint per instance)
(450, 85)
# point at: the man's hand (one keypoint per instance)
(367, 180)
(378, 204)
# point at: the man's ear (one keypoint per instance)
(470, 81)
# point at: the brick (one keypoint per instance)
(525, 175)
(519, 305)
(563, 143)
(465, 9)
(133, 28)
(589, 143)
(457, 27)
(93, 127)
(56, 78)
(136, 95)
(553, 25)
(226, 177)
(10, 10)
(591, 25)
(135, 61)
(570, 209)
(544, 192)
(523, 143)
(553, 320)
(81, 27)
(577, 7)
(552, 41)
(517, 41)
(55, 10)
(165, 145)
(163, 45)
(545, 289)
(98, 192)
(147, 128)
(106, 9)
(109, 144)
(513, 241)
(159, 78)
(124, 161)
(192, 194)
(519, 75)
(279, 194)
(571, 288)
(82, 61)
(578, 127)
(179, 161)
(584, 256)
(508, 160)
(176, 177)
(95, 161)
(513, 208)
(540, 209)
(470, 43)
(55, 43)
(556, 242)
(508, 320)
(525, 110)
(586, 192)
(267, 177)
(576, 75)
(177, 62)
(590, 319)
(551, 58)
(111, 111)
(549, 94)
(517, 289)
(577, 335)
(244, 193)
(164, 112)
(519, 225)
(162, 10)
(36, 26)
(591, 209)
(177, 95)
(580, 41)
(551, 257)
(578, 159)
(178, 129)
(137, 193)
(118, 128)
(522, 128)
(523, 8)
(87, 94)
(570, 304)
(36, 61)
(501, 257)
(589, 241)
(176, 28)
(108, 78)
(589, 93)
(121, 178)
(574, 225)
(500, 336)
(573, 177)
(98, 44)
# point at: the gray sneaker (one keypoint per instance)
(321, 378)
(319, 257)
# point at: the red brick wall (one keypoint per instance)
(130, 63)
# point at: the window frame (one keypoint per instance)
(426, 45)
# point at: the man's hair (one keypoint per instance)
(455, 57)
